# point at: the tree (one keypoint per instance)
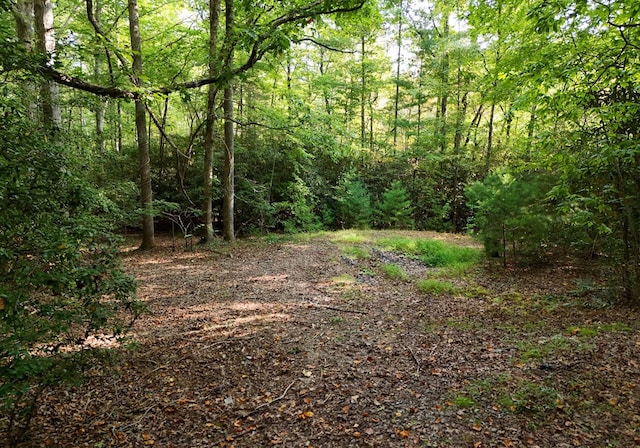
(395, 210)
(144, 161)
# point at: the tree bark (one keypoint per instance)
(23, 14)
(229, 157)
(363, 87)
(397, 94)
(144, 162)
(207, 208)
(101, 103)
(46, 44)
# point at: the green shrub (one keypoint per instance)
(510, 214)
(60, 279)
(352, 204)
(395, 210)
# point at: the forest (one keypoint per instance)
(515, 122)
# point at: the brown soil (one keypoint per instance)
(295, 344)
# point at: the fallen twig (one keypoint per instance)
(264, 405)
(417, 361)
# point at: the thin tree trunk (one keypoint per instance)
(363, 89)
(97, 72)
(229, 159)
(207, 208)
(46, 44)
(444, 99)
(144, 162)
(397, 97)
(23, 14)
(489, 153)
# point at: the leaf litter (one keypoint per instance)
(291, 344)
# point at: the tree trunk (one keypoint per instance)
(23, 14)
(207, 209)
(489, 153)
(144, 162)
(46, 44)
(397, 96)
(101, 103)
(229, 160)
(363, 87)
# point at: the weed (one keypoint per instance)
(588, 332)
(335, 320)
(434, 286)
(528, 396)
(435, 253)
(542, 348)
(464, 401)
(351, 237)
(356, 252)
(395, 272)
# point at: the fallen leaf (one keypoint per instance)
(477, 445)
(305, 415)
(404, 434)
(476, 427)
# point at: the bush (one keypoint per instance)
(395, 210)
(353, 204)
(510, 214)
(60, 281)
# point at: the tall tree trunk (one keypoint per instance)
(46, 44)
(489, 153)
(444, 98)
(97, 72)
(207, 209)
(363, 89)
(229, 159)
(144, 162)
(457, 140)
(23, 14)
(396, 106)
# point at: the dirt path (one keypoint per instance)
(295, 344)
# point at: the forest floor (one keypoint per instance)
(296, 343)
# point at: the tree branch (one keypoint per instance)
(323, 45)
(262, 45)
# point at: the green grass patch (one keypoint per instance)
(433, 253)
(526, 396)
(435, 286)
(395, 272)
(514, 395)
(530, 350)
(590, 331)
(463, 401)
(355, 252)
(351, 237)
